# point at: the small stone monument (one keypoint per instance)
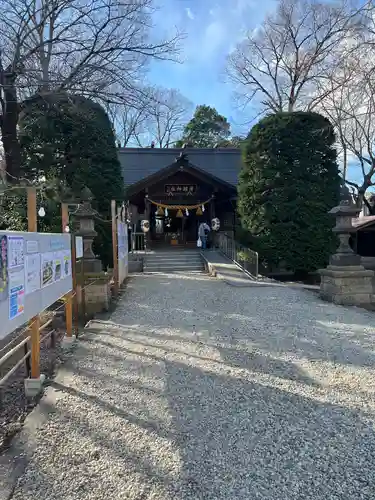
(345, 281)
(85, 217)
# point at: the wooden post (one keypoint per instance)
(69, 295)
(32, 223)
(74, 280)
(119, 219)
(114, 248)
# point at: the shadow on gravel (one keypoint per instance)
(256, 362)
(234, 358)
(324, 332)
(115, 410)
(241, 440)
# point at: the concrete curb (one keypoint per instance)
(14, 461)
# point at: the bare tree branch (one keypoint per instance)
(282, 63)
(99, 48)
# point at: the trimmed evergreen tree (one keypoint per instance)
(206, 129)
(68, 139)
(288, 183)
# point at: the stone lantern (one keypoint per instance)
(344, 214)
(85, 218)
(345, 281)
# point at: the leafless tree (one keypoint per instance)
(351, 110)
(98, 48)
(349, 103)
(166, 117)
(158, 118)
(283, 63)
(127, 122)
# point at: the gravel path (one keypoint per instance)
(198, 390)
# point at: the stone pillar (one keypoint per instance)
(84, 216)
(345, 281)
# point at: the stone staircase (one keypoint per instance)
(176, 260)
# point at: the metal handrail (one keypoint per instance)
(245, 258)
(137, 242)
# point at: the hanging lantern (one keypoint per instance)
(166, 212)
(199, 211)
(203, 209)
(160, 211)
(215, 224)
(187, 212)
(179, 213)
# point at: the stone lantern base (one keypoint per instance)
(347, 285)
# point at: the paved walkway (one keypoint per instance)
(199, 390)
(225, 269)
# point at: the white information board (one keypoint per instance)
(79, 247)
(35, 272)
(123, 250)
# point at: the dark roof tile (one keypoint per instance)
(139, 163)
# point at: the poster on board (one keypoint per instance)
(16, 256)
(32, 246)
(57, 266)
(3, 268)
(32, 273)
(16, 293)
(47, 269)
(67, 264)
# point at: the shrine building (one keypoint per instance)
(177, 189)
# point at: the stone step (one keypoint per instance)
(173, 253)
(174, 268)
(172, 261)
(183, 273)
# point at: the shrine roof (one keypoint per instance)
(139, 163)
(364, 221)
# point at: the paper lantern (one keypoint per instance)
(215, 224)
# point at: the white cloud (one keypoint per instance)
(224, 27)
(189, 13)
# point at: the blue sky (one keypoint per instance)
(212, 27)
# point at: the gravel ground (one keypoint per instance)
(198, 390)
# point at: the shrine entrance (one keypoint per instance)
(175, 200)
(173, 229)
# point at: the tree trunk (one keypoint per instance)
(12, 150)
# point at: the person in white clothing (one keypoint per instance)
(203, 231)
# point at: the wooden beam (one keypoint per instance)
(32, 220)
(69, 295)
(34, 324)
(64, 216)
